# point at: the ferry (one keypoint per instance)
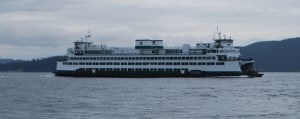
(150, 58)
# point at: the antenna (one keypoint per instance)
(88, 35)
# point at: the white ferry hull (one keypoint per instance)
(149, 58)
(146, 74)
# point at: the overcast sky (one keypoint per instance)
(42, 28)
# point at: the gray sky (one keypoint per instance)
(42, 28)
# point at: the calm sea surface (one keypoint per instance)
(42, 95)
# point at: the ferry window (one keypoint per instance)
(212, 63)
(187, 58)
(184, 63)
(167, 58)
(208, 58)
(168, 63)
(148, 58)
(126, 58)
(123, 63)
(175, 58)
(191, 63)
(168, 69)
(123, 69)
(171, 58)
(145, 63)
(179, 58)
(191, 58)
(213, 57)
(122, 58)
(137, 58)
(204, 58)
(163, 58)
(220, 63)
(183, 58)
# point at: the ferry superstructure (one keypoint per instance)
(149, 58)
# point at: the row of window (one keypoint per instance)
(143, 58)
(143, 63)
(134, 69)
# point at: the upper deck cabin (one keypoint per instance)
(155, 47)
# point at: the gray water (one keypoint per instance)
(44, 96)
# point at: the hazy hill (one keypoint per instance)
(35, 65)
(270, 56)
(275, 55)
(4, 61)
